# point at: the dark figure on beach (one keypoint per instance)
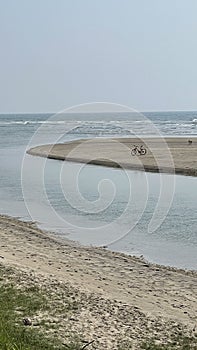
(140, 150)
(189, 142)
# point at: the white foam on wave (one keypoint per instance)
(26, 122)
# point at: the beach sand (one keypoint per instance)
(122, 298)
(167, 155)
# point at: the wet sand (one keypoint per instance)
(122, 298)
(169, 155)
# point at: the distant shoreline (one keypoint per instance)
(171, 155)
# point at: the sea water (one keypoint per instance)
(99, 214)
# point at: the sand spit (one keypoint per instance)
(167, 155)
(122, 299)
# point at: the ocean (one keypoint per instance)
(106, 207)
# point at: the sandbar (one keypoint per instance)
(170, 155)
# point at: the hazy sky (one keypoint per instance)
(58, 53)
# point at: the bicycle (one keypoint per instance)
(138, 150)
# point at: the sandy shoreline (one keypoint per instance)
(150, 294)
(169, 155)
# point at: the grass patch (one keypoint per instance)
(18, 302)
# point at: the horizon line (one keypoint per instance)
(88, 112)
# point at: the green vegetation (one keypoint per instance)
(16, 304)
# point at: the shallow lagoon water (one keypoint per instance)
(99, 214)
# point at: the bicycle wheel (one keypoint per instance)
(133, 152)
(143, 151)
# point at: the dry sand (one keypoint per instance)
(122, 298)
(163, 155)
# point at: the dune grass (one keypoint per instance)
(15, 305)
